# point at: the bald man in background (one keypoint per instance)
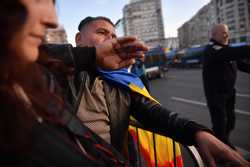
(219, 76)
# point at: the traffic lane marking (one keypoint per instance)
(238, 111)
(242, 95)
(241, 150)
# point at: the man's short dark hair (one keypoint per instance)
(90, 19)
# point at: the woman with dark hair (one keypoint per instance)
(35, 125)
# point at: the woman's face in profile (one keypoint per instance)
(41, 14)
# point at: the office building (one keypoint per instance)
(236, 14)
(143, 18)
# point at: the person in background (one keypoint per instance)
(139, 70)
(219, 77)
(34, 117)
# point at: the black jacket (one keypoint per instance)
(244, 65)
(220, 67)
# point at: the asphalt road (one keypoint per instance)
(182, 92)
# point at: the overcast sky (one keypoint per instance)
(175, 12)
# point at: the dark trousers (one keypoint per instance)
(221, 108)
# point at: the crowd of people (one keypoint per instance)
(56, 108)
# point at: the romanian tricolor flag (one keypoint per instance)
(149, 149)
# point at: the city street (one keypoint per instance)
(182, 91)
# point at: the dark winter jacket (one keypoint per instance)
(220, 67)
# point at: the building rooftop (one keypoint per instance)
(133, 1)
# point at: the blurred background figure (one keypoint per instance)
(219, 77)
(55, 36)
(139, 69)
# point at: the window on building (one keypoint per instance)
(229, 1)
(219, 19)
(229, 12)
(221, 2)
(230, 17)
(242, 19)
(241, 4)
(232, 40)
(231, 22)
(231, 28)
(241, 9)
(243, 39)
(241, 14)
(242, 26)
(230, 7)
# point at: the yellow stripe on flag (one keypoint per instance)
(164, 149)
(141, 91)
(163, 145)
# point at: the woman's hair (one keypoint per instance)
(12, 17)
(16, 118)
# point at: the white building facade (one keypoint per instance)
(143, 18)
(56, 36)
(197, 30)
(171, 43)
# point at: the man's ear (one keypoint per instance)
(78, 38)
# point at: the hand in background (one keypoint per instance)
(120, 52)
(213, 150)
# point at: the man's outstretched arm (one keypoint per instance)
(111, 54)
(163, 121)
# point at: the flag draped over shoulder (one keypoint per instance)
(126, 80)
(150, 149)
